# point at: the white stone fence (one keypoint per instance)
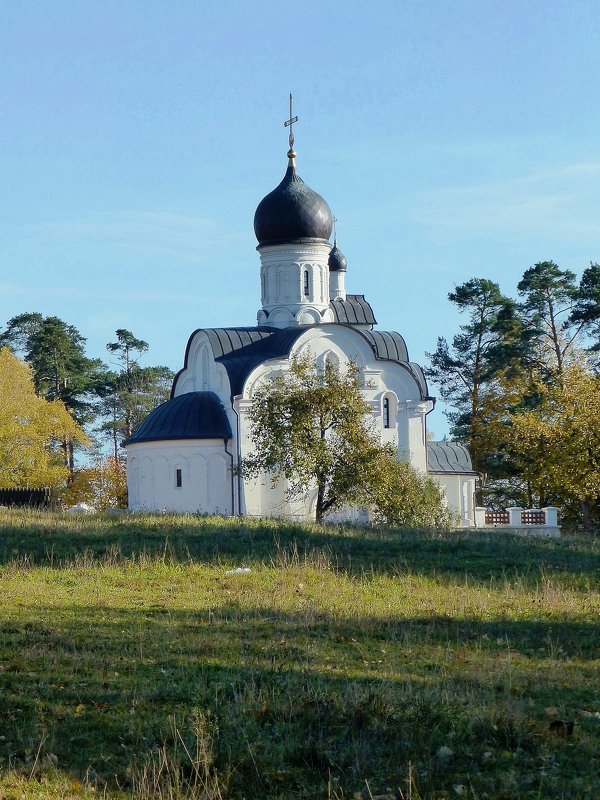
(536, 521)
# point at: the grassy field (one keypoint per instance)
(345, 664)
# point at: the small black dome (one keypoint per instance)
(194, 415)
(337, 260)
(292, 211)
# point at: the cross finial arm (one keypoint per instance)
(290, 123)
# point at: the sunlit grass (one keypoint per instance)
(345, 661)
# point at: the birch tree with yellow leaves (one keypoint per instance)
(32, 430)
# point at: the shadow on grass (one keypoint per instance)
(286, 703)
(57, 540)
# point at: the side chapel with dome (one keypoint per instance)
(182, 457)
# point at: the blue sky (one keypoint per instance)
(451, 139)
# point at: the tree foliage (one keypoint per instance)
(549, 296)
(134, 390)
(312, 429)
(90, 390)
(32, 429)
(521, 393)
(557, 442)
(102, 485)
(586, 309)
(61, 370)
(491, 337)
(400, 496)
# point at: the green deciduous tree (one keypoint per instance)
(514, 376)
(312, 428)
(32, 429)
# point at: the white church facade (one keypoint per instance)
(183, 456)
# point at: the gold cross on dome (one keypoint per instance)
(289, 123)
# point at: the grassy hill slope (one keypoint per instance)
(346, 663)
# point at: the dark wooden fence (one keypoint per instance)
(533, 517)
(32, 498)
(497, 518)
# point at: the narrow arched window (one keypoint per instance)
(178, 478)
(306, 283)
(386, 412)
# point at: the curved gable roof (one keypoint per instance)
(353, 310)
(241, 350)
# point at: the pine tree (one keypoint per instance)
(61, 370)
(492, 338)
(134, 390)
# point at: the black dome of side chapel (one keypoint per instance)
(292, 211)
(337, 260)
(194, 415)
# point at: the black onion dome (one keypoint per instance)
(194, 415)
(292, 211)
(337, 260)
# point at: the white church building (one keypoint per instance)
(183, 455)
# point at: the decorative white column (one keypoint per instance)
(411, 432)
(514, 516)
(480, 516)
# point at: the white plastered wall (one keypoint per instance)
(205, 464)
(205, 472)
(151, 466)
(459, 491)
(380, 379)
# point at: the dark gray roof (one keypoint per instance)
(241, 350)
(354, 310)
(195, 415)
(337, 260)
(449, 457)
(387, 345)
(292, 211)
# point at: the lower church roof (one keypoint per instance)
(194, 415)
(449, 457)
